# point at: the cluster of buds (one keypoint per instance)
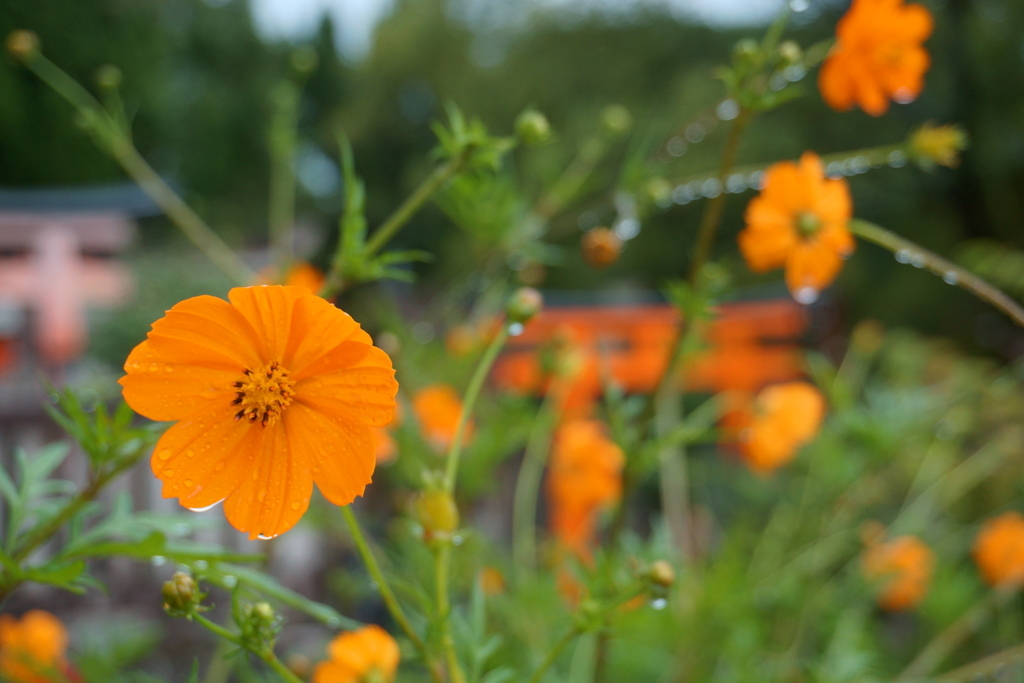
(182, 597)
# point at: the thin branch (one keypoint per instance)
(948, 271)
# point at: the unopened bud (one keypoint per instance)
(108, 77)
(263, 611)
(745, 49)
(601, 247)
(616, 120)
(659, 191)
(533, 127)
(932, 145)
(22, 44)
(524, 303)
(790, 52)
(662, 574)
(181, 595)
(437, 512)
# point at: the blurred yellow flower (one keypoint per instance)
(367, 655)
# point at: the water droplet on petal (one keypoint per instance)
(188, 482)
(806, 295)
(264, 537)
(296, 505)
(153, 367)
(903, 256)
(951, 278)
(165, 454)
(261, 496)
(903, 95)
(190, 453)
(168, 473)
(219, 467)
(168, 368)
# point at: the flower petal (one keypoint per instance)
(203, 459)
(166, 391)
(206, 331)
(354, 382)
(342, 455)
(318, 327)
(276, 493)
(268, 309)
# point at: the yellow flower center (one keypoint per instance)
(263, 394)
(807, 223)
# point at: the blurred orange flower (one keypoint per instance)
(492, 581)
(385, 448)
(799, 222)
(305, 275)
(32, 649)
(367, 655)
(270, 392)
(584, 478)
(903, 569)
(773, 427)
(999, 550)
(437, 409)
(878, 56)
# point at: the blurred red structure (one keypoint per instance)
(56, 265)
(750, 344)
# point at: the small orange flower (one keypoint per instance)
(367, 655)
(270, 392)
(782, 418)
(32, 649)
(903, 569)
(584, 478)
(492, 581)
(999, 550)
(437, 409)
(385, 448)
(878, 56)
(799, 222)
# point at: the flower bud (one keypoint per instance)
(304, 60)
(524, 303)
(601, 247)
(932, 145)
(108, 77)
(745, 50)
(790, 52)
(616, 120)
(437, 512)
(22, 44)
(661, 574)
(181, 595)
(533, 128)
(659, 191)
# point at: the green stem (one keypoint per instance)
(713, 211)
(476, 383)
(442, 563)
(554, 654)
(524, 506)
(283, 140)
(266, 654)
(388, 595)
(983, 668)
(120, 147)
(943, 644)
(413, 202)
(948, 271)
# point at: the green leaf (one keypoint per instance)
(61, 574)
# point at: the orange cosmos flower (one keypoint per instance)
(367, 655)
(584, 478)
(878, 56)
(903, 569)
(780, 420)
(437, 409)
(799, 222)
(32, 649)
(305, 275)
(270, 392)
(999, 550)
